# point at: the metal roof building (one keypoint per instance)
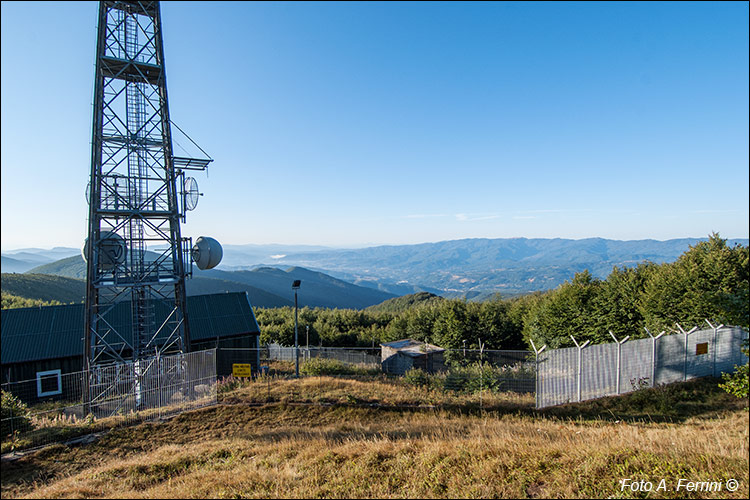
(37, 339)
(402, 355)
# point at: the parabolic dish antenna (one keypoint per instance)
(191, 193)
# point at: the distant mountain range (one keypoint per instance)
(471, 268)
(266, 286)
(20, 261)
(481, 267)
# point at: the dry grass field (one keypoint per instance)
(323, 437)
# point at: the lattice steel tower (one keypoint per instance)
(138, 194)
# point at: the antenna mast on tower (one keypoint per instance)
(137, 195)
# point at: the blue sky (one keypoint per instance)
(351, 124)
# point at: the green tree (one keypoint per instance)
(618, 303)
(709, 281)
(568, 310)
(453, 325)
(496, 327)
(737, 383)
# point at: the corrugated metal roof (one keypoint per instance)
(36, 333)
(412, 348)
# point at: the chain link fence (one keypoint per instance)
(57, 406)
(457, 370)
(359, 355)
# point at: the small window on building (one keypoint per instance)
(701, 348)
(48, 383)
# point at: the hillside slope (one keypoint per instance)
(44, 287)
(317, 290)
(401, 304)
(70, 267)
(267, 287)
(199, 285)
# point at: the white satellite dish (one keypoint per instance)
(206, 253)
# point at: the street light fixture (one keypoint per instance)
(295, 287)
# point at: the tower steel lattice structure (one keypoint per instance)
(134, 251)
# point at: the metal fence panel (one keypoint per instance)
(635, 365)
(557, 373)
(698, 360)
(598, 370)
(728, 356)
(120, 394)
(670, 359)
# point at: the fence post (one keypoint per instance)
(653, 355)
(159, 380)
(578, 377)
(12, 417)
(684, 364)
(536, 370)
(619, 346)
(715, 329)
(481, 374)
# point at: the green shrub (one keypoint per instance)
(322, 366)
(737, 383)
(325, 366)
(416, 376)
(228, 384)
(477, 377)
(14, 414)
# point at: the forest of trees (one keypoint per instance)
(709, 281)
(10, 301)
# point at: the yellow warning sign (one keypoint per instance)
(701, 348)
(242, 370)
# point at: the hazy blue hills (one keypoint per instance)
(317, 289)
(15, 265)
(49, 287)
(22, 260)
(266, 286)
(358, 278)
(508, 265)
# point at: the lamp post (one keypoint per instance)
(307, 342)
(295, 287)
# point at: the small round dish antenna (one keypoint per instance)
(191, 193)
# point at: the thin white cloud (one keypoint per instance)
(476, 217)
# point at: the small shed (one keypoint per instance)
(402, 355)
